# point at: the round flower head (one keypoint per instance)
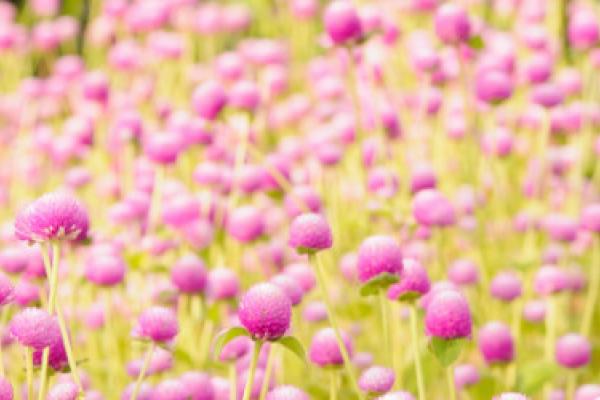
(158, 324)
(199, 385)
(209, 99)
(506, 286)
(57, 357)
(265, 311)
(289, 287)
(145, 393)
(223, 283)
(54, 216)
(496, 343)
(397, 396)
(463, 272)
(63, 391)
(324, 350)
(171, 389)
(235, 349)
(6, 290)
(584, 30)
(342, 22)
(414, 282)
(105, 270)
(452, 23)
(493, 86)
(315, 312)
(549, 280)
(511, 396)
(431, 208)
(189, 275)
(588, 392)
(6, 389)
(34, 328)
(535, 311)
(377, 380)
(246, 224)
(310, 232)
(448, 316)
(573, 351)
(302, 274)
(378, 255)
(590, 218)
(287, 392)
(465, 375)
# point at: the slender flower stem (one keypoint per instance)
(69, 350)
(385, 324)
(155, 201)
(29, 371)
(571, 385)
(232, 381)
(414, 331)
(332, 385)
(314, 260)
(550, 335)
(450, 379)
(268, 370)
(142, 374)
(252, 370)
(592, 296)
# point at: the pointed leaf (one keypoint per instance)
(380, 282)
(227, 336)
(476, 42)
(446, 351)
(293, 345)
(534, 376)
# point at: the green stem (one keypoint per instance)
(550, 336)
(314, 260)
(332, 386)
(414, 331)
(232, 382)
(450, 379)
(571, 385)
(592, 296)
(252, 370)
(67, 344)
(385, 325)
(29, 371)
(268, 370)
(140, 378)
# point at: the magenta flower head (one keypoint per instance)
(550, 280)
(378, 255)
(535, 311)
(54, 216)
(302, 274)
(7, 290)
(170, 389)
(287, 392)
(463, 272)
(452, 24)
(590, 218)
(588, 392)
(397, 396)
(573, 351)
(209, 99)
(57, 356)
(34, 328)
(189, 275)
(324, 350)
(105, 269)
(584, 30)
(448, 316)
(414, 282)
(235, 349)
(145, 393)
(493, 86)
(431, 208)
(288, 286)
(466, 375)
(223, 283)
(506, 286)
(246, 223)
(158, 324)
(511, 396)
(496, 343)
(342, 22)
(63, 391)
(310, 233)
(377, 380)
(6, 389)
(265, 311)
(199, 385)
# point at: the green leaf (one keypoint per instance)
(446, 351)
(380, 282)
(532, 377)
(227, 336)
(293, 345)
(409, 297)
(476, 42)
(183, 357)
(484, 389)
